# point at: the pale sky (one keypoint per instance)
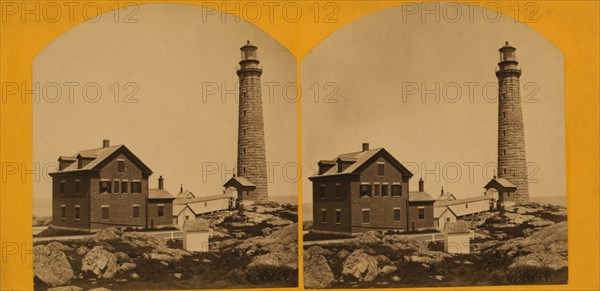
(375, 60)
(174, 57)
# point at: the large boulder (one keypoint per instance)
(51, 266)
(317, 273)
(361, 266)
(100, 262)
(550, 260)
(54, 245)
(368, 237)
(278, 259)
(110, 233)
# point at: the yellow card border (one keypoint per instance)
(572, 26)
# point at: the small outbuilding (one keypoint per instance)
(195, 235)
(457, 237)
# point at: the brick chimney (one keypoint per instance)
(421, 185)
(161, 182)
(365, 146)
(105, 143)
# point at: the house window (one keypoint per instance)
(63, 212)
(77, 212)
(338, 216)
(243, 132)
(384, 190)
(323, 216)
(396, 190)
(121, 166)
(504, 152)
(322, 191)
(504, 132)
(243, 150)
(205, 204)
(338, 190)
(79, 163)
(187, 217)
(136, 187)
(136, 211)
(380, 169)
(244, 113)
(105, 212)
(508, 194)
(77, 186)
(376, 189)
(104, 186)
(365, 190)
(244, 170)
(61, 187)
(503, 114)
(397, 214)
(421, 213)
(161, 210)
(447, 219)
(504, 170)
(124, 187)
(116, 186)
(365, 216)
(467, 205)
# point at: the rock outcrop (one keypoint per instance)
(51, 266)
(100, 262)
(360, 266)
(317, 273)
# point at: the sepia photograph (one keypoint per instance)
(436, 157)
(299, 145)
(169, 164)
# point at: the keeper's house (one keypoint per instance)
(107, 187)
(368, 190)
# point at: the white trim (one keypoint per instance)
(421, 207)
(365, 183)
(396, 183)
(104, 180)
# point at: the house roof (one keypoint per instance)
(185, 194)
(460, 201)
(159, 194)
(446, 196)
(98, 156)
(416, 196)
(358, 159)
(457, 227)
(240, 180)
(200, 199)
(438, 211)
(196, 225)
(502, 182)
(178, 208)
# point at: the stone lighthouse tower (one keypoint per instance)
(512, 164)
(251, 161)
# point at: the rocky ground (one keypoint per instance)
(522, 245)
(256, 248)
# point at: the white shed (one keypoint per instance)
(195, 235)
(457, 237)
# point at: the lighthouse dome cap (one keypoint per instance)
(507, 47)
